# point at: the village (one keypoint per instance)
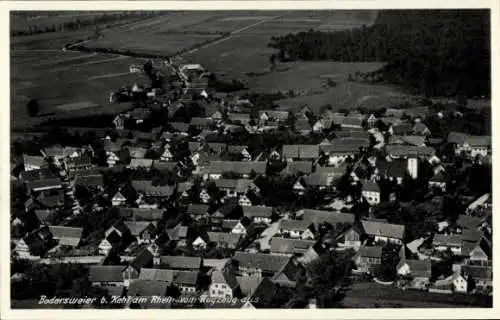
(213, 195)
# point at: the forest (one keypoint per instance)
(435, 53)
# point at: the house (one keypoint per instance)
(240, 151)
(223, 285)
(200, 243)
(470, 145)
(35, 244)
(298, 167)
(412, 140)
(405, 151)
(481, 277)
(370, 191)
(115, 236)
(385, 232)
(280, 116)
(186, 281)
(146, 188)
(239, 118)
(48, 184)
(140, 163)
(123, 195)
(442, 242)
(351, 238)
(244, 169)
(258, 214)
(141, 214)
(34, 162)
(236, 226)
(368, 259)
(198, 211)
(147, 288)
(300, 151)
(143, 231)
(421, 129)
(107, 275)
(352, 122)
(90, 181)
(201, 123)
(454, 283)
(371, 120)
(400, 129)
(233, 187)
(66, 236)
(316, 217)
(186, 263)
(392, 170)
(297, 229)
(438, 181)
(224, 240)
(303, 126)
(179, 234)
(258, 264)
(230, 209)
(418, 270)
(289, 247)
(81, 162)
(340, 149)
(262, 296)
(481, 253)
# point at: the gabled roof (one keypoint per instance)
(279, 115)
(372, 252)
(404, 150)
(179, 126)
(318, 216)
(216, 147)
(300, 225)
(290, 246)
(140, 163)
(237, 167)
(447, 240)
(438, 177)
(236, 148)
(299, 166)
(401, 129)
(137, 227)
(93, 180)
(80, 161)
(198, 121)
(300, 151)
(376, 228)
(198, 209)
(391, 169)
(67, 236)
(146, 187)
(352, 121)
(263, 261)
(177, 232)
(263, 295)
(164, 166)
(224, 237)
(142, 260)
(257, 211)
(420, 268)
(238, 185)
(478, 272)
(227, 208)
(44, 183)
(37, 174)
(99, 273)
(38, 161)
(368, 185)
(225, 278)
(140, 214)
(181, 262)
(157, 275)
(248, 284)
(469, 222)
(147, 288)
(216, 264)
(420, 128)
(344, 145)
(479, 141)
(187, 278)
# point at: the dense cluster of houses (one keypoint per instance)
(260, 248)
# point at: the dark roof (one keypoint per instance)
(371, 186)
(36, 174)
(318, 216)
(352, 121)
(146, 187)
(179, 126)
(141, 214)
(157, 274)
(147, 288)
(235, 148)
(344, 145)
(181, 262)
(227, 208)
(198, 121)
(93, 180)
(478, 272)
(225, 278)
(224, 238)
(392, 169)
(67, 236)
(401, 129)
(376, 228)
(299, 166)
(164, 166)
(98, 273)
(248, 284)
(137, 227)
(186, 278)
(290, 246)
(44, 183)
(198, 209)
(373, 252)
(300, 225)
(265, 262)
(142, 260)
(447, 240)
(177, 232)
(244, 167)
(263, 295)
(217, 147)
(406, 150)
(257, 211)
(80, 161)
(300, 151)
(420, 268)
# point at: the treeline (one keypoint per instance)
(438, 52)
(82, 23)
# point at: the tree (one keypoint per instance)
(33, 108)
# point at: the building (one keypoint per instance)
(442, 242)
(418, 270)
(259, 264)
(289, 247)
(258, 214)
(223, 285)
(370, 191)
(368, 259)
(297, 229)
(384, 232)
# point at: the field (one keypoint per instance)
(369, 295)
